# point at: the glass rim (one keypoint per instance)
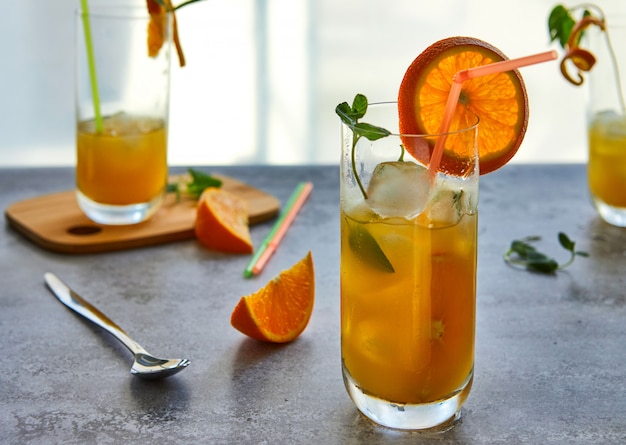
(471, 127)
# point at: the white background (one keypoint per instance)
(264, 76)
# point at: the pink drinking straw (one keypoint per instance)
(455, 91)
(270, 244)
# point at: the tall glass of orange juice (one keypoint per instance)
(606, 117)
(122, 103)
(408, 275)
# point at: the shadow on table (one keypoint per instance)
(266, 375)
(160, 400)
(255, 359)
(606, 246)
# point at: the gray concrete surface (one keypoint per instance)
(550, 353)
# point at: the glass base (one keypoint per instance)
(613, 215)
(437, 416)
(118, 215)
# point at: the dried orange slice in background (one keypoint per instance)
(156, 29)
(499, 100)
(222, 222)
(281, 310)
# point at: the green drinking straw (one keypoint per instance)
(270, 242)
(92, 66)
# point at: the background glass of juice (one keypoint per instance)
(122, 116)
(408, 277)
(606, 118)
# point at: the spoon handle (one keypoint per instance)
(75, 302)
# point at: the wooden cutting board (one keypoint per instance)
(56, 223)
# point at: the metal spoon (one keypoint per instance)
(145, 365)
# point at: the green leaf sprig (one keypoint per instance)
(199, 182)
(522, 254)
(361, 242)
(561, 23)
(350, 116)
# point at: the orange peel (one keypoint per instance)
(156, 29)
(580, 58)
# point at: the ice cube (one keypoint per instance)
(398, 189)
(450, 199)
(445, 207)
(617, 129)
(610, 124)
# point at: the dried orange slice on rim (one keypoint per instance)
(499, 100)
(279, 311)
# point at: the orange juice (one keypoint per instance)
(125, 164)
(607, 159)
(408, 336)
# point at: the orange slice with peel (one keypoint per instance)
(499, 100)
(280, 311)
(222, 222)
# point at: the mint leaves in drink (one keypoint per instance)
(361, 242)
(350, 116)
(365, 246)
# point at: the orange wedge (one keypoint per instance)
(499, 100)
(280, 311)
(222, 222)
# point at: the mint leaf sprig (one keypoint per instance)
(560, 24)
(522, 254)
(361, 242)
(350, 116)
(199, 182)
